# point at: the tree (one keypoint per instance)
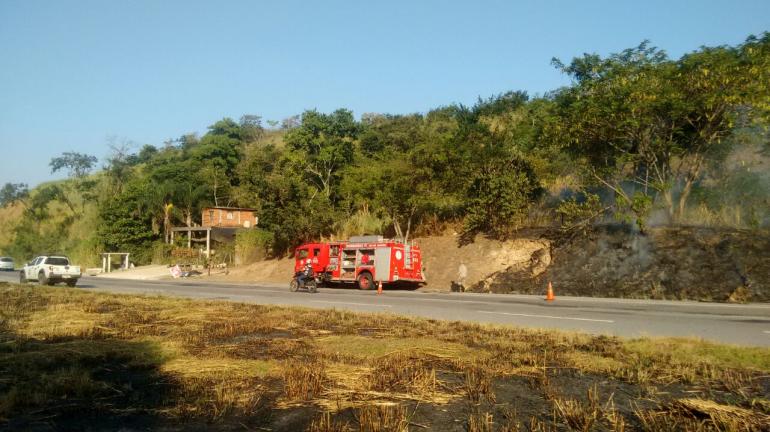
(125, 225)
(167, 208)
(498, 199)
(723, 88)
(396, 191)
(12, 193)
(644, 125)
(390, 133)
(39, 201)
(221, 147)
(119, 163)
(251, 127)
(217, 182)
(501, 104)
(226, 127)
(257, 172)
(190, 197)
(146, 153)
(56, 193)
(384, 180)
(290, 122)
(322, 145)
(77, 164)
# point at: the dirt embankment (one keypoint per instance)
(666, 263)
(447, 264)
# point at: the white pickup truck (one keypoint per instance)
(48, 270)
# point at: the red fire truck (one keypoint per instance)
(366, 260)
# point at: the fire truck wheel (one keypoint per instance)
(365, 281)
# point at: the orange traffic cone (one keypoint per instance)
(379, 288)
(549, 294)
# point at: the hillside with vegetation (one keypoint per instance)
(638, 139)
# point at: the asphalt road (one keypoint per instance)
(729, 323)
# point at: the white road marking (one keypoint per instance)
(766, 331)
(350, 303)
(546, 316)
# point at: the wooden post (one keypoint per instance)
(109, 263)
(128, 263)
(189, 239)
(104, 264)
(208, 244)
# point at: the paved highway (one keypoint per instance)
(730, 323)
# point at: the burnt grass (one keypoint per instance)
(73, 360)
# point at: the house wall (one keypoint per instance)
(219, 217)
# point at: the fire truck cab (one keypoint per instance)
(365, 260)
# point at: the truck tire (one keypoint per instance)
(22, 277)
(365, 281)
(72, 282)
(41, 279)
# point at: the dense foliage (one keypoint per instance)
(637, 136)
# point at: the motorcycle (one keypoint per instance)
(310, 283)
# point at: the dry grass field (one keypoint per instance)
(75, 360)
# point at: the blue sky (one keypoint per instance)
(74, 73)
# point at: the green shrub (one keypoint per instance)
(582, 213)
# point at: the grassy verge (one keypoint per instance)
(70, 359)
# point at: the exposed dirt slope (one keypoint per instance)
(446, 262)
(667, 263)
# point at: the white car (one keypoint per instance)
(6, 264)
(48, 270)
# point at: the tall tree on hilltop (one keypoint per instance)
(77, 164)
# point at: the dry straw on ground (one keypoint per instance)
(73, 358)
